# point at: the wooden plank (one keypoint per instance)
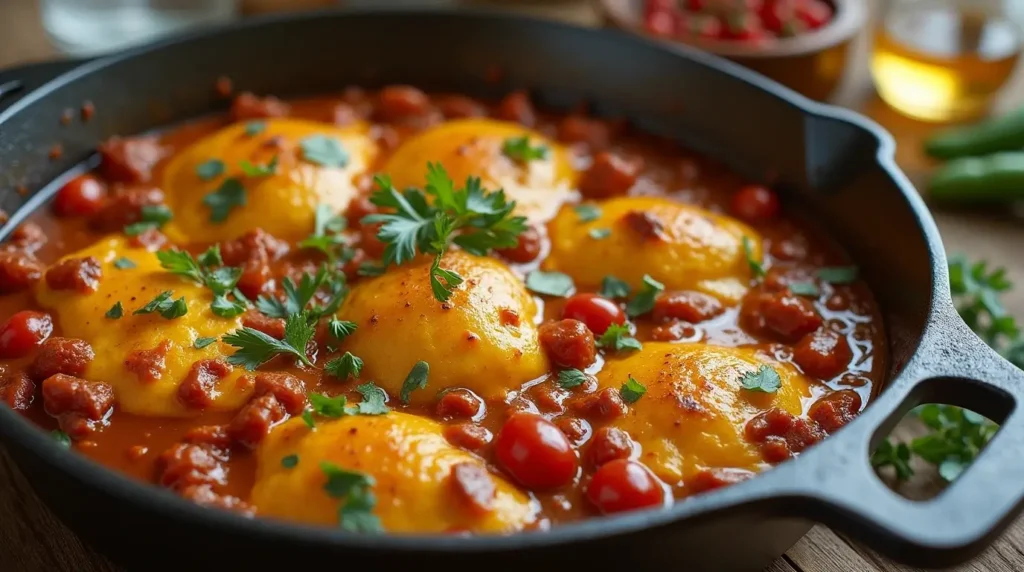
(822, 551)
(781, 565)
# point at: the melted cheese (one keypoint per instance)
(699, 250)
(284, 203)
(408, 458)
(483, 339)
(694, 411)
(82, 316)
(473, 148)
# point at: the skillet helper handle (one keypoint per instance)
(15, 83)
(955, 367)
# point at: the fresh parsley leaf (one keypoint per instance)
(150, 216)
(344, 366)
(211, 257)
(587, 212)
(163, 305)
(417, 379)
(124, 264)
(115, 312)
(325, 151)
(325, 406)
(356, 511)
(227, 307)
(618, 337)
(471, 217)
(838, 274)
(62, 438)
(201, 343)
(519, 149)
(612, 287)
(550, 283)
(298, 297)
(809, 289)
(307, 418)
(256, 348)
(341, 329)
(251, 170)
(895, 456)
(220, 281)
(254, 128)
(570, 378)
(374, 400)
(765, 380)
(957, 438)
(643, 302)
(632, 390)
(181, 263)
(755, 265)
(600, 233)
(289, 461)
(210, 169)
(325, 228)
(228, 196)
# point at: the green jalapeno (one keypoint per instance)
(992, 179)
(998, 134)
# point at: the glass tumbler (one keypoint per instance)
(89, 27)
(945, 60)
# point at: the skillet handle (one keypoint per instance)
(15, 83)
(951, 366)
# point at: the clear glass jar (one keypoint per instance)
(945, 60)
(89, 27)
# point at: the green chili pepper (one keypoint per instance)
(993, 135)
(997, 178)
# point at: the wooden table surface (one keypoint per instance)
(32, 540)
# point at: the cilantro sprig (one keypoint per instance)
(519, 149)
(430, 220)
(326, 238)
(254, 348)
(208, 271)
(301, 297)
(354, 489)
(618, 337)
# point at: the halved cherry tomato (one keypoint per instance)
(814, 13)
(755, 203)
(535, 452)
(596, 312)
(81, 196)
(622, 485)
(24, 331)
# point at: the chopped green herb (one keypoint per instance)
(632, 390)
(643, 302)
(519, 149)
(256, 348)
(251, 170)
(325, 406)
(587, 212)
(325, 151)
(201, 343)
(417, 379)
(374, 400)
(356, 511)
(371, 269)
(307, 417)
(765, 380)
(221, 281)
(124, 264)
(755, 265)
(229, 195)
(340, 329)
(211, 257)
(612, 287)
(895, 456)
(115, 312)
(254, 128)
(150, 217)
(163, 305)
(227, 307)
(62, 438)
(838, 274)
(600, 233)
(210, 169)
(809, 289)
(550, 283)
(290, 461)
(570, 378)
(618, 337)
(325, 237)
(344, 366)
(430, 220)
(298, 297)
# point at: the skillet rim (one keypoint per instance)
(757, 491)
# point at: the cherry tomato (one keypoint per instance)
(81, 196)
(596, 312)
(775, 14)
(622, 485)
(24, 331)
(535, 452)
(706, 26)
(661, 23)
(755, 203)
(814, 13)
(744, 27)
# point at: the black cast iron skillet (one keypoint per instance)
(837, 163)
